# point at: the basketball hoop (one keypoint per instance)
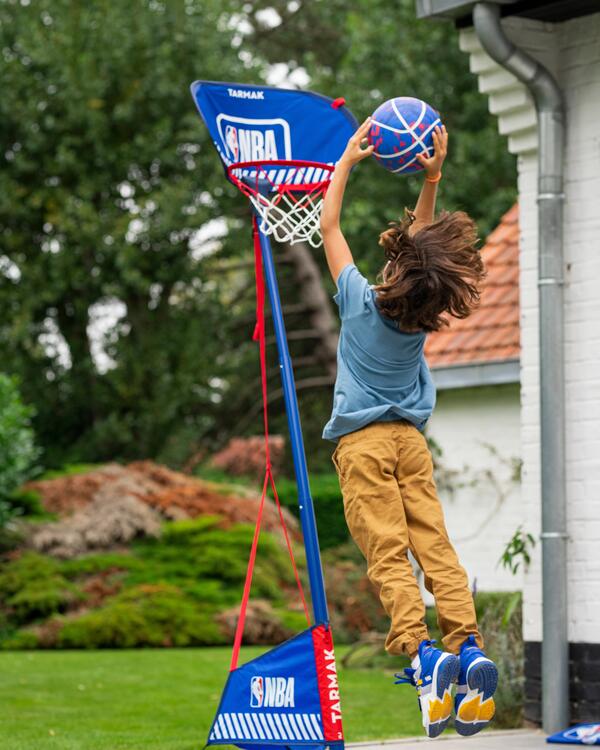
(287, 196)
(278, 146)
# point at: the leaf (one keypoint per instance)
(512, 605)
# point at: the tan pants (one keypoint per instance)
(391, 506)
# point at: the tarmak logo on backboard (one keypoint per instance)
(247, 139)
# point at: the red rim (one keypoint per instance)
(264, 165)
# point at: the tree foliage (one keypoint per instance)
(372, 50)
(128, 336)
(18, 450)
(107, 177)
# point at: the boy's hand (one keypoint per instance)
(433, 164)
(355, 150)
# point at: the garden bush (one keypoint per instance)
(33, 587)
(146, 615)
(264, 625)
(26, 503)
(501, 621)
(18, 451)
(68, 470)
(18, 454)
(198, 552)
(245, 456)
(329, 508)
(164, 591)
(97, 563)
(104, 523)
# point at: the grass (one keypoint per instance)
(161, 699)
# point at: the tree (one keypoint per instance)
(107, 177)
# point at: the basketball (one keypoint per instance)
(400, 129)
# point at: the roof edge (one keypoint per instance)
(450, 9)
(477, 374)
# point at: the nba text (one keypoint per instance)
(251, 145)
(272, 692)
(253, 139)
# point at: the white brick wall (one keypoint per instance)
(572, 52)
(481, 519)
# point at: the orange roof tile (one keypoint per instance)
(491, 333)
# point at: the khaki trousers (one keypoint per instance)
(391, 506)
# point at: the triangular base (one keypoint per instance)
(582, 734)
(288, 697)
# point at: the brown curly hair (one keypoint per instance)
(435, 270)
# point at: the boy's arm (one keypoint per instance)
(425, 209)
(337, 251)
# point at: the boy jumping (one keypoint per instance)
(383, 398)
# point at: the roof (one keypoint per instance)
(491, 333)
(543, 10)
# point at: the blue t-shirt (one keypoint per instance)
(382, 374)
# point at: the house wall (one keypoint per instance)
(571, 50)
(478, 432)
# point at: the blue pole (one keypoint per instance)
(307, 512)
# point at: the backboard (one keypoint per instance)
(262, 123)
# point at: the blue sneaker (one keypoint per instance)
(477, 681)
(433, 680)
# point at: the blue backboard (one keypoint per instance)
(252, 123)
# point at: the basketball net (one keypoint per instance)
(286, 195)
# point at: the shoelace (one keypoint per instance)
(408, 678)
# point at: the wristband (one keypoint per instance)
(434, 179)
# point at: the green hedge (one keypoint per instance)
(147, 615)
(165, 591)
(33, 587)
(329, 507)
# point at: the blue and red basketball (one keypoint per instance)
(400, 129)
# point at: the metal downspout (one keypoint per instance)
(551, 125)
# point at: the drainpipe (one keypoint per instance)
(551, 125)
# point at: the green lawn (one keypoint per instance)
(157, 699)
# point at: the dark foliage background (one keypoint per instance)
(108, 177)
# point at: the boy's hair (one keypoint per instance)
(437, 270)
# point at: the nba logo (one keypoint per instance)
(231, 141)
(250, 139)
(257, 692)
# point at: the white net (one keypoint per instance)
(289, 220)
(290, 208)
